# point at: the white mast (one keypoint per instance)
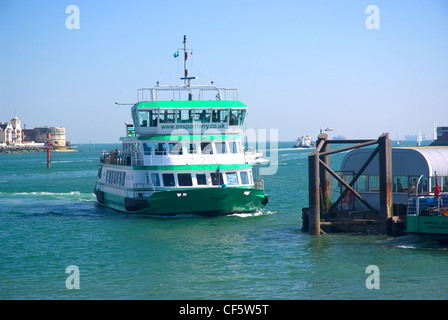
(434, 134)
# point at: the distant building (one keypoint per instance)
(442, 137)
(57, 137)
(11, 133)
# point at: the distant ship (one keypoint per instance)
(415, 137)
(304, 142)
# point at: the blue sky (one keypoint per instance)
(299, 65)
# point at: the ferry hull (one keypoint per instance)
(429, 227)
(201, 201)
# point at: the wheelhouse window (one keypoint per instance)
(153, 116)
(168, 179)
(184, 116)
(220, 115)
(237, 117)
(167, 116)
(202, 115)
(184, 179)
(143, 116)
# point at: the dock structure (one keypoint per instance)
(323, 216)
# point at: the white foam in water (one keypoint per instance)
(252, 214)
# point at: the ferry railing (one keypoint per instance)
(142, 190)
(259, 184)
(417, 207)
(186, 92)
(115, 158)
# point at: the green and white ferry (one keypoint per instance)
(182, 155)
(427, 217)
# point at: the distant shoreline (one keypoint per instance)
(32, 149)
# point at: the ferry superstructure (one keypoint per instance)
(182, 155)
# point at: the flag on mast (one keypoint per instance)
(437, 189)
(176, 54)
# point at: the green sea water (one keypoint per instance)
(49, 221)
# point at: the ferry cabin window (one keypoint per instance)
(237, 117)
(233, 147)
(192, 148)
(153, 116)
(159, 148)
(167, 116)
(185, 116)
(168, 179)
(147, 149)
(201, 179)
(220, 115)
(175, 148)
(155, 179)
(206, 148)
(202, 115)
(244, 178)
(185, 179)
(143, 116)
(232, 178)
(115, 177)
(216, 178)
(220, 147)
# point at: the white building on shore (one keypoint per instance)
(12, 134)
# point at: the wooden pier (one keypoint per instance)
(322, 216)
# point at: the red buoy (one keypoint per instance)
(48, 146)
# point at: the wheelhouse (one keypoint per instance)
(189, 117)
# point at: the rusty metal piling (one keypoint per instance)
(319, 173)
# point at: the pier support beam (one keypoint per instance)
(314, 193)
(324, 174)
(319, 191)
(386, 180)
